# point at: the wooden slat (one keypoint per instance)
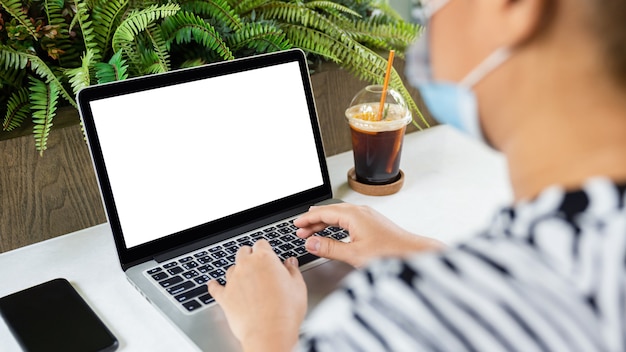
(43, 197)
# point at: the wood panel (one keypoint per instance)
(43, 197)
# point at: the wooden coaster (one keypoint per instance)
(375, 190)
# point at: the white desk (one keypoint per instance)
(451, 190)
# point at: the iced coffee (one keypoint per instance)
(377, 137)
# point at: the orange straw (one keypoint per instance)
(386, 84)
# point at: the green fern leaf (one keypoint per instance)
(160, 48)
(10, 58)
(44, 98)
(332, 8)
(115, 70)
(386, 35)
(262, 37)
(314, 42)
(106, 16)
(192, 63)
(245, 7)
(18, 109)
(218, 10)
(11, 77)
(352, 55)
(86, 29)
(137, 21)
(80, 77)
(385, 8)
(184, 27)
(292, 13)
(15, 9)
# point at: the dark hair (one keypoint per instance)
(610, 22)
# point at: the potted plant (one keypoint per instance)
(50, 49)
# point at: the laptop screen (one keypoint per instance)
(182, 155)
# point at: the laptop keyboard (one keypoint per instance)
(184, 278)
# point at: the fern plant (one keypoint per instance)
(50, 49)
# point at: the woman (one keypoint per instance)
(542, 81)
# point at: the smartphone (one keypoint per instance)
(53, 317)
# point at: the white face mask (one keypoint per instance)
(449, 102)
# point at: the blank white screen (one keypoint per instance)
(187, 154)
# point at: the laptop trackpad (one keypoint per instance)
(324, 279)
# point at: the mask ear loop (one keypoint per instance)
(492, 62)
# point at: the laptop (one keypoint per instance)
(194, 163)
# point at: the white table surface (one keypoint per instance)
(452, 188)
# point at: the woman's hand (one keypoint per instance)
(264, 300)
(372, 235)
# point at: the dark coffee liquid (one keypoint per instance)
(377, 155)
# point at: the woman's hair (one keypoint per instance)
(610, 22)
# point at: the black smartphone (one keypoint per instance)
(53, 317)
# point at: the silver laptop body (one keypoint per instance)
(192, 162)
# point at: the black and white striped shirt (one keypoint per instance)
(548, 275)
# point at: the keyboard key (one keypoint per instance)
(272, 235)
(171, 281)
(339, 235)
(288, 254)
(206, 299)
(154, 271)
(289, 237)
(185, 260)
(219, 254)
(298, 242)
(217, 273)
(276, 243)
(243, 239)
(200, 254)
(286, 246)
(174, 290)
(190, 274)
(300, 251)
(231, 258)
(215, 249)
(257, 234)
(277, 250)
(205, 268)
(175, 270)
(192, 305)
(284, 230)
(269, 229)
(190, 265)
(160, 276)
(170, 265)
(220, 262)
(247, 243)
(205, 260)
(283, 224)
(200, 290)
(202, 279)
(232, 250)
(325, 233)
(221, 281)
(230, 243)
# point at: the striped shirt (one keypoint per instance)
(547, 275)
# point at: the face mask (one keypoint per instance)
(450, 103)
